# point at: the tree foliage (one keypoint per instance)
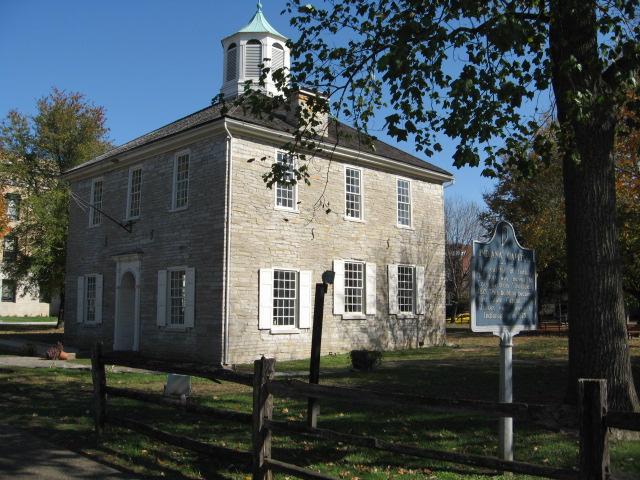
(473, 71)
(34, 151)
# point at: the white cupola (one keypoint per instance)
(246, 50)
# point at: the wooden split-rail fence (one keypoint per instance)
(593, 417)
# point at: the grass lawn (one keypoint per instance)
(28, 319)
(57, 404)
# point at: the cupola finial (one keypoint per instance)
(259, 6)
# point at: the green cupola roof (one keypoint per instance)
(259, 24)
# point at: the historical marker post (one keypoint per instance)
(503, 302)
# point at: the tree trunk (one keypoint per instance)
(598, 346)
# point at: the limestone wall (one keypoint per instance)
(264, 237)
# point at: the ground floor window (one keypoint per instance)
(406, 288)
(90, 299)
(284, 298)
(177, 296)
(354, 287)
(8, 291)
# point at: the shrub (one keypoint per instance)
(365, 359)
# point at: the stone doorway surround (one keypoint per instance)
(127, 264)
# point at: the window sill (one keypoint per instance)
(406, 316)
(351, 219)
(90, 324)
(405, 227)
(175, 328)
(354, 316)
(284, 331)
(180, 209)
(284, 209)
(95, 226)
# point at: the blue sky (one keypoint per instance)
(148, 62)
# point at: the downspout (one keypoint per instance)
(227, 253)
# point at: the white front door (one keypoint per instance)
(126, 335)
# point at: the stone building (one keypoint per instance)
(178, 250)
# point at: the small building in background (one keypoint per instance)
(15, 301)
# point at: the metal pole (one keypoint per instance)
(505, 448)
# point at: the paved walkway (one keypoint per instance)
(27, 457)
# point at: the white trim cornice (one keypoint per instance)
(182, 139)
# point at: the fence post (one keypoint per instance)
(262, 409)
(313, 407)
(594, 434)
(99, 388)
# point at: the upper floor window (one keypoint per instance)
(277, 57)
(232, 62)
(8, 291)
(286, 190)
(10, 248)
(181, 181)
(253, 58)
(404, 202)
(95, 210)
(353, 193)
(13, 206)
(134, 192)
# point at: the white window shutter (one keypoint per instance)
(370, 288)
(338, 287)
(98, 298)
(305, 299)
(393, 289)
(265, 314)
(421, 294)
(161, 313)
(80, 300)
(190, 304)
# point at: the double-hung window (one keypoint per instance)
(407, 293)
(404, 202)
(12, 201)
(10, 248)
(8, 291)
(89, 299)
(286, 190)
(134, 193)
(406, 288)
(95, 208)
(284, 299)
(176, 298)
(354, 287)
(181, 181)
(353, 193)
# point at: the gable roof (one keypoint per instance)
(338, 133)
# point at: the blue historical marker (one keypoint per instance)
(503, 302)
(503, 284)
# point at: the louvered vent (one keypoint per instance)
(253, 58)
(232, 62)
(277, 57)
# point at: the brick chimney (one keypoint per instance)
(300, 103)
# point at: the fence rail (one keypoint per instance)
(592, 414)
